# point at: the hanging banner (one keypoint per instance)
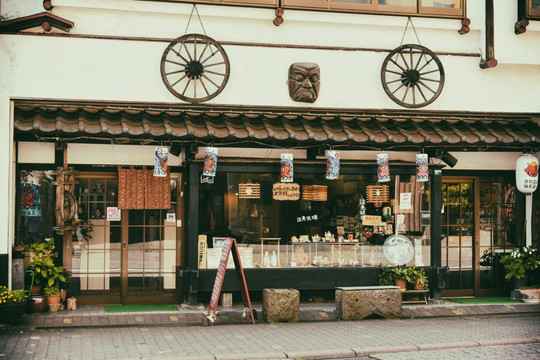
(210, 161)
(332, 165)
(161, 157)
(422, 167)
(383, 170)
(31, 193)
(286, 167)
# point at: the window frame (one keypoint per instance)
(532, 13)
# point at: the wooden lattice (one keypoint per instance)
(314, 192)
(249, 191)
(377, 193)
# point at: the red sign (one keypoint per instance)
(228, 245)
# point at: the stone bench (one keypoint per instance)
(281, 305)
(356, 303)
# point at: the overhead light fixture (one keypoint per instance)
(449, 159)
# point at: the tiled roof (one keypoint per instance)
(279, 126)
(43, 19)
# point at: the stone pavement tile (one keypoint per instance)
(252, 356)
(321, 354)
(447, 345)
(369, 350)
(492, 342)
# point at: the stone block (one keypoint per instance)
(356, 303)
(281, 305)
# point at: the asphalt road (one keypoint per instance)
(484, 337)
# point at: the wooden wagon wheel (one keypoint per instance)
(195, 68)
(412, 76)
(68, 211)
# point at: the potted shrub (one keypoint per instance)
(12, 304)
(417, 278)
(520, 264)
(42, 255)
(393, 276)
(52, 294)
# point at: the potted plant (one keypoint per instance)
(520, 264)
(52, 294)
(394, 276)
(42, 255)
(12, 304)
(417, 278)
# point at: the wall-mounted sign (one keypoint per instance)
(210, 161)
(332, 165)
(113, 214)
(422, 167)
(286, 191)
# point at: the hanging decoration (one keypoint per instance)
(161, 157)
(287, 168)
(422, 167)
(332, 165)
(194, 67)
(314, 192)
(249, 191)
(527, 173)
(210, 161)
(383, 170)
(527, 183)
(412, 75)
(377, 194)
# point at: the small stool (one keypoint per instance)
(281, 305)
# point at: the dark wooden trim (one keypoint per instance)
(247, 44)
(489, 61)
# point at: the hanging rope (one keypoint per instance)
(198, 16)
(405, 31)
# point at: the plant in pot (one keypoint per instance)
(43, 255)
(520, 265)
(417, 278)
(393, 276)
(12, 304)
(52, 294)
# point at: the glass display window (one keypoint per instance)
(313, 222)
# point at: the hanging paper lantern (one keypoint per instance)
(383, 170)
(210, 161)
(332, 165)
(527, 173)
(286, 167)
(161, 157)
(422, 167)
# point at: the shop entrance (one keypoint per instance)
(478, 226)
(130, 260)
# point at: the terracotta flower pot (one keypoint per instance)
(53, 299)
(418, 286)
(401, 283)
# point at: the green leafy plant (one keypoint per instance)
(8, 296)
(51, 290)
(417, 276)
(389, 274)
(42, 266)
(521, 262)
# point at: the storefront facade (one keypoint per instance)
(89, 95)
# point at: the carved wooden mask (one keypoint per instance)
(304, 82)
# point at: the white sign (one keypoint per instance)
(113, 214)
(171, 217)
(405, 201)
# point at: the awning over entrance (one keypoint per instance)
(237, 125)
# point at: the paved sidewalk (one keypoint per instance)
(89, 316)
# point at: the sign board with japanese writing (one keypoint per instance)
(229, 246)
(286, 191)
